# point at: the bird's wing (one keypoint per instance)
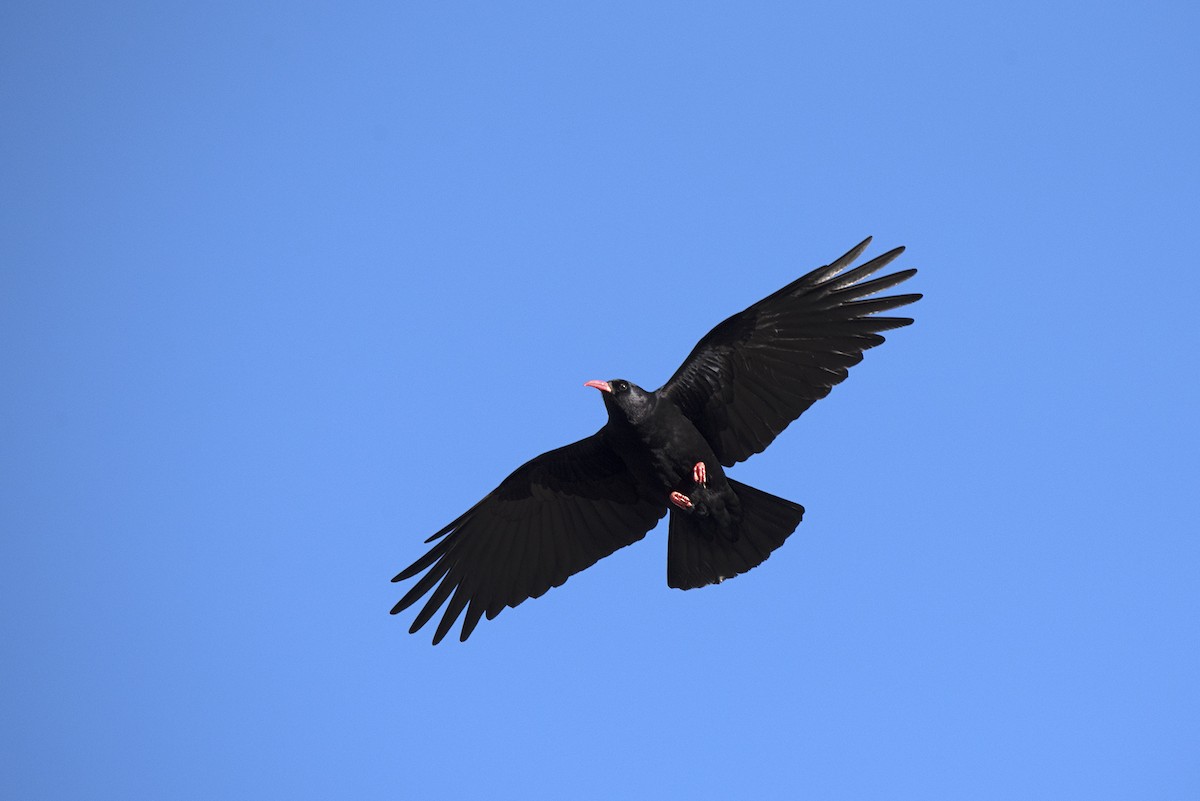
(554, 516)
(763, 367)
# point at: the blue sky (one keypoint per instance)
(286, 287)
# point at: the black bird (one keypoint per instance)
(739, 387)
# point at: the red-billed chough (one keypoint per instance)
(665, 450)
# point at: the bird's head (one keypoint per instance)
(624, 398)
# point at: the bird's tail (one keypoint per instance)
(696, 555)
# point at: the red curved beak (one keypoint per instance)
(600, 385)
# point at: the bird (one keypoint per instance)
(666, 451)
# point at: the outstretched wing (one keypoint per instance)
(555, 515)
(763, 367)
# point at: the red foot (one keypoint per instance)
(681, 500)
(699, 474)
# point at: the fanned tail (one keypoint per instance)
(697, 557)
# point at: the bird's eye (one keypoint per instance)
(621, 386)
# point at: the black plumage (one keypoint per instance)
(742, 384)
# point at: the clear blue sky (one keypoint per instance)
(286, 287)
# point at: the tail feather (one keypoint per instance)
(697, 557)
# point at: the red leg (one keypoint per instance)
(681, 500)
(700, 474)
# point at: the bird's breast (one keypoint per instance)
(672, 446)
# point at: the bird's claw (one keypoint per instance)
(700, 476)
(681, 500)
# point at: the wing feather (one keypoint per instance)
(759, 370)
(555, 515)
